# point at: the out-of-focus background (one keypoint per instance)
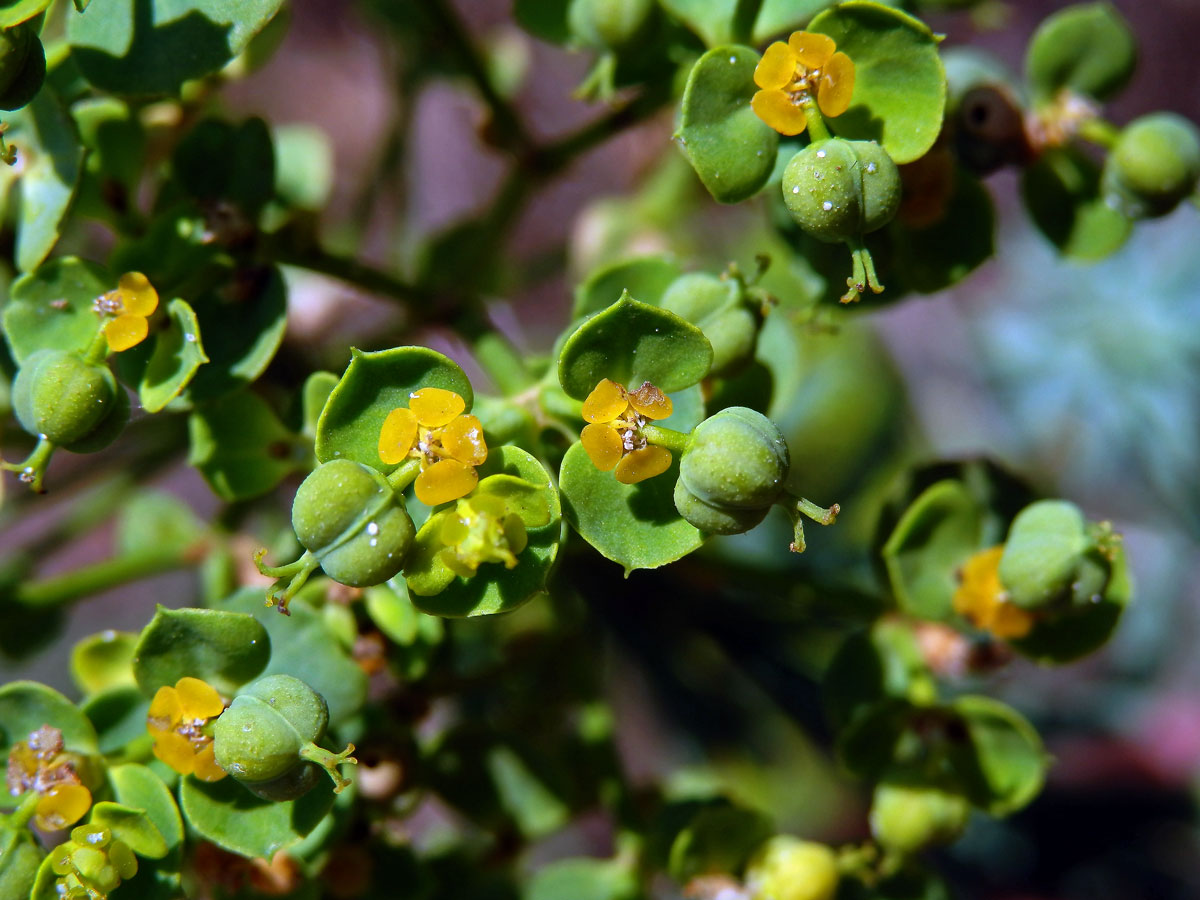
(1084, 379)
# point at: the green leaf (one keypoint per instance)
(226, 649)
(116, 144)
(26, 706)
(934, 257)
(304, 645)
(881, 663)
(719, 840)
(304, 166)
(243, 321)
(1062, 191)
(51, 308)
(103, 661)
(545, 19)
(710, 20)
(1002, 765)
(867, 745)
(14, 12)
(118, 714)
(899, 82)
(313, 397)
(644, 277)
(157, 519)
(415, 636)
(730, 147)
(131, 826)
(373, 385)
(532, 805)
(153, 46)
(582, 878)
(494, 588)
(177, 355)
(240, 446)
(781, 17)
(137, 786)
(19, 861)
(230, 816)
(1087, 48)
(631, 343)
(634, 525)
(934, 537)
(218, 161)
(53, 161)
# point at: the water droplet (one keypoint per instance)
(373, 528)
(190, 338)
(796, 189)
(827, 205)
(820, 154)
(374, 541)
(732, 60)
(871, 168)
(817, 176)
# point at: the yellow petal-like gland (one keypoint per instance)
(205, 764)
(777, 68)
(62, 805)
(778, 111)
(836, 86)
(459, 567)
(397, 436)
(137, 295)
(436, 407)
(123, 860)
(463, 440)
(125, 331)
(60, 859)
(454, 530)
(1010, 621)
(165, 710)
(980, 597)
(813, 50)
(606, 402)
(642, 464)
(445, 480)
(490, 504)
(603, 445)
(198, 699)
(650, 402)
(176, 751)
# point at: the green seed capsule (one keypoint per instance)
(909, 818)
(1154, 165)
(837, 190)
(349, 517)
(787, 868)
(716, 306)
(58, 395)
(259, 738)
(715, 519)
(738, 458)
(1045, 547)
(609, 24)
(22, 64)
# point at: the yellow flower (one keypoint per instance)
(793, 75)
(982, 600)
(176, 721)
(39, 764)
(614, 439)
(449, 445)
(133, 301)
(480, 530)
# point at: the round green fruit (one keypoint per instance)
(1154, 165)
(787, 868)
(715, 519)
(69, 401)
(352, 521)
(259, 738)
(908, 818)
(737, 459)
(837, 190)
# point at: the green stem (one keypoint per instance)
(863, 276)
(404, 474)
(744, 15)
(351, 271)
(295, 574)
(97, 350)
(556, 155)
(33, 469)
(675, 441)
(1100, 132)
(59, 590)
(798, 508)
(817, 129)
(19, 817)
(502, 362)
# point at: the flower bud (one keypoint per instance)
(70, 401)
(1154, 165)
(837, 190)
(787, 868)
(909, 818)
(352, 521)
(260, 739)
(717, 307)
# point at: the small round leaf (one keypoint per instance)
(226, 649)
(51, 307)
(1087, 48)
